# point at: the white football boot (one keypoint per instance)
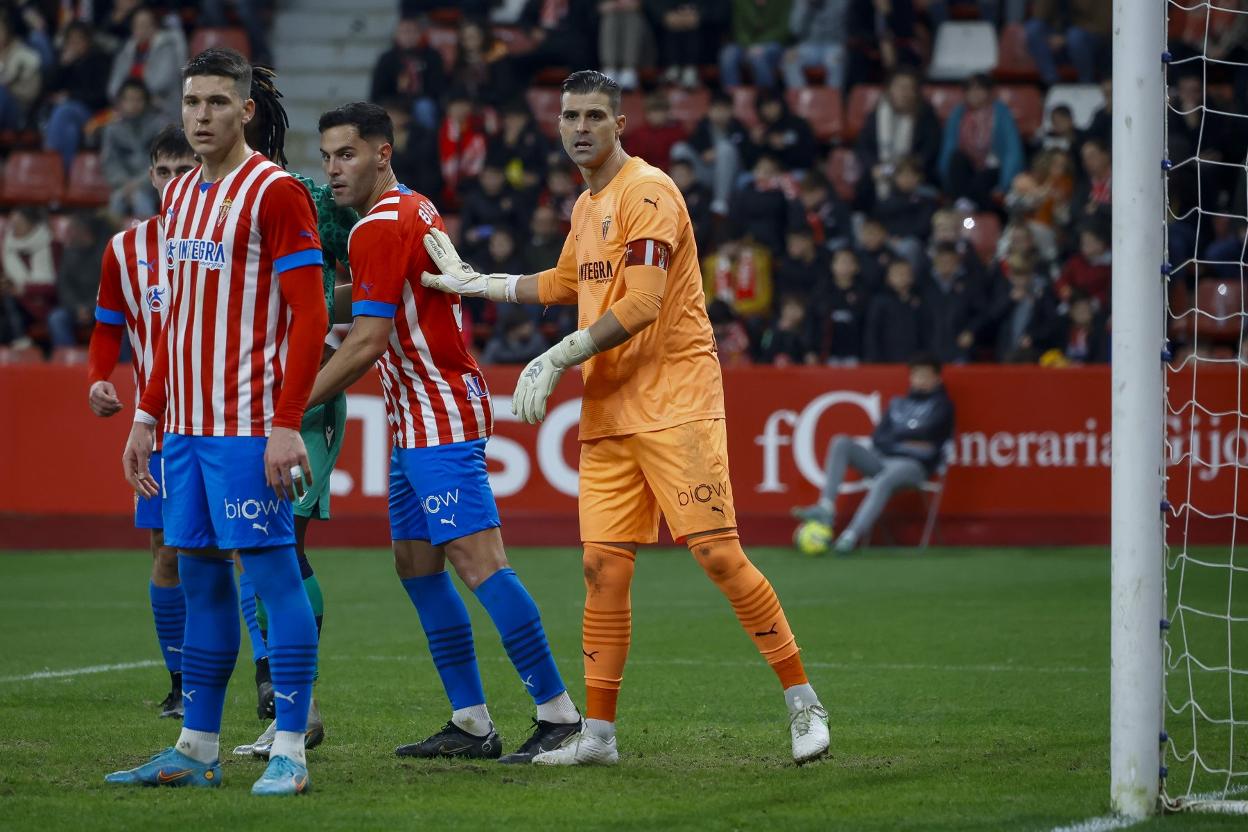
(583, 749)
(808, 727)
(259, 748)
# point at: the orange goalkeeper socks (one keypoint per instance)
(608, 626)
(753, 600)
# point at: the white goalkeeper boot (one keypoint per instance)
(808, 728)
(593, 745)
(259, 748)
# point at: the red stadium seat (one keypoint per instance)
(843, 171)
(861, 102)
(688, 106)
(822, 107)
(743, 99)
(445, 40)
(1221, 305)
(70, 356)
(1014, 61)
(20, 355)
(87, 187)
(234, 38)
(1027, 106)
(985, 234)
(33, 176)
(634, 108)
(544, 104)
(943, 99)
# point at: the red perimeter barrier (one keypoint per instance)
(1030, 461)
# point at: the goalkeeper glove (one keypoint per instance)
(458, 278)
(543, 373)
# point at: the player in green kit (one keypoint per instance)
(323, 425)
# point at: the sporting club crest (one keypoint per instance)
(222, 214)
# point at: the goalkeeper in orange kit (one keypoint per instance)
(652, 420)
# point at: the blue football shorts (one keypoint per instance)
(148, 511)
(440, 494)
(216, 497)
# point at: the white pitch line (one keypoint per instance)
(1102, 824)
(79, 671)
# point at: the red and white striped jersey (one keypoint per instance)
(134, 293)
(226, 245)
(435, 393)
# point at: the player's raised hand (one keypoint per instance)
(457, 277)
(103, 399)
(134, 459)
(286, 467)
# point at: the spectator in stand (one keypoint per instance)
(1080, 334)
(78, 88)
(697, 199)
(658, 133)
(841, 306)
(1089, 270)
(982, 151)
(1042, 195)
(687, 32)
(874, 253)
(77, 280)
(481, 68)
(804, 268)
(784, 135)
(947, 228)
(897, 325)
(881, 37)
(517, 340)
(252, 14)
(1229, 44)
(1061, 134)
(717, 150)
(818, 28)
(818, 208)
(1076, 29)
(124, 158)
(12, 317)
(560, 193)
(789, 339)
(461, 146)
(907, 211)
(489, 203)
(760, 28)
(20, 74)
(1093, 193)
(541, 250)
(1102, 126)
(564, 34)
(739, 273)
(414, 158)
(732, 341)
(27, 252)
(410, 71)
(1030, 240)
(760, 207)
(621, 34)
(520, 149)
(954, 302)
(155, 56)
(1021, 313)
(902, 124)
(112, 20)
(35, 18)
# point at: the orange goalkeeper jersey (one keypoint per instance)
(667, 374)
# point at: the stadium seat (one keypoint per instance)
(743, 108)
(861, 102)
(33, 176)
(87, 187)
(445, 40)
(1082, 99)
(1220, 305)
(233, 37)
(70, 356)
(688, 106)
(962, 49)
(1014, 61)
(843, 171)
(20, 355)
(544, 104)
(984, 233)
(943, 98)
(822, 107)
(1027, 106)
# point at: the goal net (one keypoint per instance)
(1204, 740)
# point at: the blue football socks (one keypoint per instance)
(212, 635)
(169, 611)
(449, 633)
(520, 624)
(247, 600)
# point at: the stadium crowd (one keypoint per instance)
(847, 207)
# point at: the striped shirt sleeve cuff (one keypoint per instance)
(373, 309)
(109, 316)
(307, 257)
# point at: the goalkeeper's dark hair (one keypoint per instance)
(266, 131)
(171, 142)
(591, 80)
(224, 62)
(370, 120)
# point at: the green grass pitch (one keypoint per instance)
(967, 690)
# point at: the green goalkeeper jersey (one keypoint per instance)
(333, 223)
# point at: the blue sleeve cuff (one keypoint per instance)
(109, 316)
(373, 309)
(307, 257)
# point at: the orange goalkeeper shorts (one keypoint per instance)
(682, 472)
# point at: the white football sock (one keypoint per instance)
(560, 709)
(600, 728)
(800, 696)
(475, 720)
(289, 744)
(199, 745)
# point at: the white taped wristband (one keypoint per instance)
(512, 281)
(575, 348)
(144, 417)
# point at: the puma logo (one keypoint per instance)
(189, 695)
(590, 655)
(719, 509)
(261, 527)
(289, 697)
(150, 265)
(528, 683)
(173, 649)
(653, 202)
(771, 632)
(450, 522)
